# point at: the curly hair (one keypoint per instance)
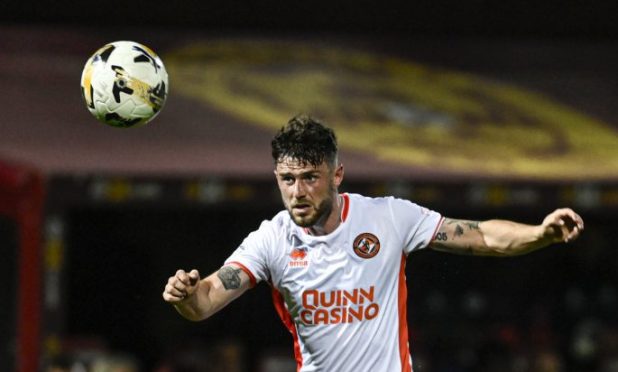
(307, 140)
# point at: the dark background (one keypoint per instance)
(467, 18)
(8, 273)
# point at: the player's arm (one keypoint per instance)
(506, 238)
(197, 299)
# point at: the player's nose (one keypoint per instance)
(298, 190)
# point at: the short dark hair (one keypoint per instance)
(307, 140)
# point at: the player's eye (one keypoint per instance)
(311, 177)
(289, 180)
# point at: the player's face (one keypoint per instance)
(308, 192)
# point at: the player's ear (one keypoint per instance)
(338, 178)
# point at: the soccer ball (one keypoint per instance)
(124, 84)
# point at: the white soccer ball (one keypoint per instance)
(124, 84)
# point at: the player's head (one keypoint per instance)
(307, 140)
(307, 169)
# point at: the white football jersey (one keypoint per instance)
(343, 295)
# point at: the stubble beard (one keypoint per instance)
(321, 212)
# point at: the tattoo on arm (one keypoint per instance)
(441, 237)
(458, 230)
(458, 237)
(472, 225)
(230, 277)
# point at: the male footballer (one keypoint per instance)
(336, 262)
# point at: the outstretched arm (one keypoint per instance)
(197, 299)
(506, 238)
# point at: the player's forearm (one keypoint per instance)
(508, 238)
(214, 293)
(196, 307)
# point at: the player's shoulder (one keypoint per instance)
(375, 201)
(389, 205)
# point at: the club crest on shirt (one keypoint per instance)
(298, 257)
(366, 245)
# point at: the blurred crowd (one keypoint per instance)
(589, 344)
(188, 356)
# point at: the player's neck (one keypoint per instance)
(331, 222)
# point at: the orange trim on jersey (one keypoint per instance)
(289, 324)
(346, 207)
(247, 271)
(402, 304)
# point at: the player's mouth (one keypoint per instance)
(301, 208)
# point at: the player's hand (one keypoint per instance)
(181, 286)
(562, 225)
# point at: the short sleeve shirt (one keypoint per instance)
(343, 295)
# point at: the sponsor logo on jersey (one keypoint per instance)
(366, 245)
(338, 306)
(298, 258)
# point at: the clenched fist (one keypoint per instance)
(562, 225)
(181, 286)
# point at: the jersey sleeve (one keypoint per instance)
(252, 255)
(416, 225)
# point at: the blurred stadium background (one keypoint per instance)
(475, 109)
